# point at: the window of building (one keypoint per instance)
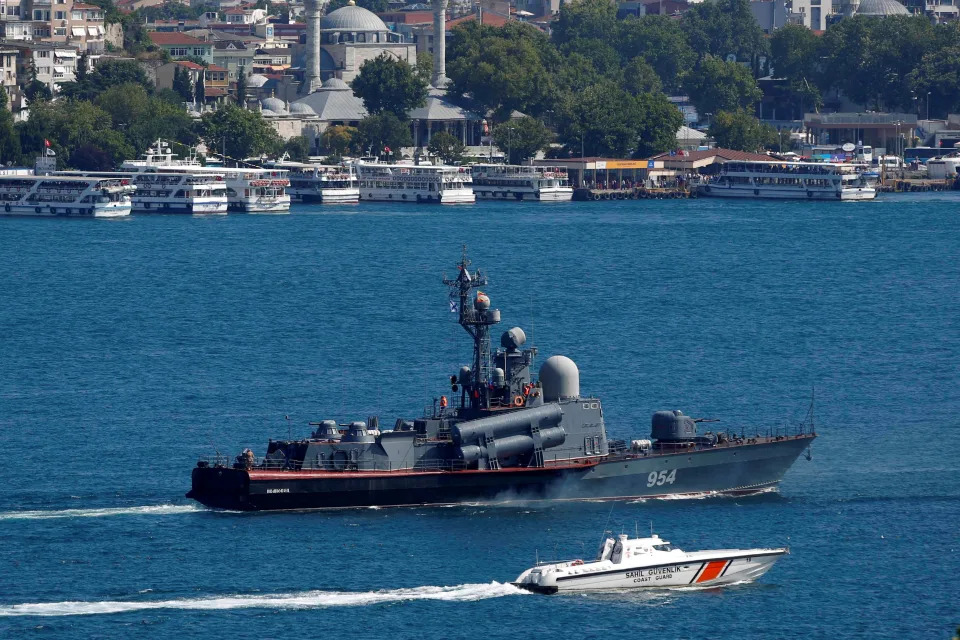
(198, 51)
(60, 15)
(43, 54)
(60, 31)
(179, 51)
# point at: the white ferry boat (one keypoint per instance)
(521, 182)
(633, 563)
(159, 192)
(790, 180)
(249, 190)
(415, 183)
(52, 195)
(327, 184)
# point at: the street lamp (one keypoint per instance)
(509, 144)
(928, 105)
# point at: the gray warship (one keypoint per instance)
(501, 435)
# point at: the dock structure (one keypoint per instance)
(635, 193)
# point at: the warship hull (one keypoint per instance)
(731, 469)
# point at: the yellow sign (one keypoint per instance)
(626, 164)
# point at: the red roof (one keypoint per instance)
(214, 67)
(213, 91)
(723, 154)
(163, 38)
(85, 6)
(190, 65)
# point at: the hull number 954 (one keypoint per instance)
(659, 479)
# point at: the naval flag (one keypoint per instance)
(453, 306)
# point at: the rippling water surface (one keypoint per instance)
(132, 347)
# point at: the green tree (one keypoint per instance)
(238, 133)
(602, 121)
(383, 134)
(446, 147)
(339, 139)
(9, 139)
(34, 89)
(82, 67)
(199, 90)
(662, 42)
(241, 94)
(503, 69)
(521, 138)
(715, 85)
(723, 28)
(297, 149)
(585, 19)
(70, 125)
(425, 65)
(109, 73)
(388, 84)
(795, 53)
(938, 74)
(143, 118)
(741, 131)
(182, 84)
(639, 77)
(658, 121)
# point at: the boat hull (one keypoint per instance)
(735, 469)
(712, 571)
(85, 211)
(561, 194)
(858, 193)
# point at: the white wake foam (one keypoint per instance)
(152, 510)
(704, 495)
(299, 600)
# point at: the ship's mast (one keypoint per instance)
(476, 317)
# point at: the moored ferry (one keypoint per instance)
(789, 180)
(326, 184)
(415, 183)
(52, 195)
(159, 192)
(521, 182)
(249, 190)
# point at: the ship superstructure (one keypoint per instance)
(521, 182)
(52, 195)
(415, 183)
(500, 435)
(250, 190)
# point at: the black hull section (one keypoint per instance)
(736, 469)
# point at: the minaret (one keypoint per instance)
(312, 80)
(439, 79)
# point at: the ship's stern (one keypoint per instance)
(220, 487)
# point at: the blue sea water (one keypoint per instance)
(132, 347)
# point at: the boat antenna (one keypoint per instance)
(604, 531)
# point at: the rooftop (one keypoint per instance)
(169, 38)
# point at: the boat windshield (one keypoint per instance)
(662, 547)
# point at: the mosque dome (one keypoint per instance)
(881, 8)
(256, 80)
(352, 18)
(302, 108)
(335, 84)
(276, 105)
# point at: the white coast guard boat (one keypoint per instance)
(625, 563)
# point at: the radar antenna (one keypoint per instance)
(476, 317)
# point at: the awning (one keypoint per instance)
(77, 31)
(100, 30)
(92, 31)
(59, 69)
(60, 53)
